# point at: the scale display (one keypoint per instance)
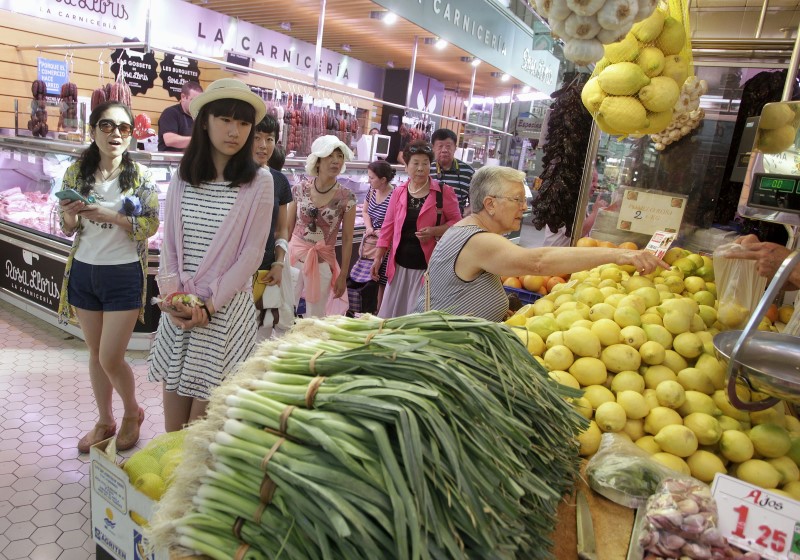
(776, 192)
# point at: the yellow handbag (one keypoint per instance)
(259, 285)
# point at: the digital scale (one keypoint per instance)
(775, 192)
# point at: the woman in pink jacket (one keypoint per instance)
(420, 211)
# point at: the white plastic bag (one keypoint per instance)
(739, 286)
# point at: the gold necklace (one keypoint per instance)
(419, 190)
(105, 177)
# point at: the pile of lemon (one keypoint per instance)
(641, 348)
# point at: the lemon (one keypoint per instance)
(731, 314)
(589, 371)
(634, 429)
(770, 440)
(620, 357)
(592, 95)
(728, 423)
(151, 485)
(672, 38)
(516, 321)
(139, 520)
(648, 443)
(659, 95)
(676, 322)
(583, 406)
(614, 299)
(788, 469)
(793, 489)
(705, 427)
(564, 378)
(672, 462)
(736, 446)
(670, 394)
(601, 311)
(566, 319)
(688, 345)
(694, 379)
(720, 398)
(677, 439)
(775, 115)
(651, 61)
(607, 331)
(558, 358)
(698, 402)
(633, 403)
(542, 325)
(542, 306)
(555, 339)
(674, 361)
(659, 334)
(704, 465)
(712, 367)
(624, 114)
(627, 316)
(652, 353)
(610, 416)
(625, 50)
(582, 342)
(141, 463)
(589, 296)
(627, 381)
(597, 395)
(621, 78)
(633, 336)
(660, 417)
(791, 423)
(650, 398)
(760, 473)
(651, 319)
(772, 415)
(168, 471)
(654, 375)
(589, 439)
(650, 28)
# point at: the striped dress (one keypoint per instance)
(194, 362)
(482, 297)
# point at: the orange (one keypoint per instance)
(553, 281)
(542, 290)
(772, 313)
(628, 245)
(532, 283)
(608, 244)
(586, 242)
(513, 282)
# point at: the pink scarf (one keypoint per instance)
(300, 250)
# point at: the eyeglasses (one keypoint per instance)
(108, 127)
(426, 150)
(313, 212)
(519, 201)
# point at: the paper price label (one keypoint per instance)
(756, 519)
(660, 242)
(647, 212)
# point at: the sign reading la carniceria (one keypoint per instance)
(35, 277)
(117, 17)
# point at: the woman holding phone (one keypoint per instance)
(111, 206)
(216, 224)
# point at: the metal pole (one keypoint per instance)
(410, 89)
(318, 50)
(147, 27)
(506, 124)
(586, 183)
(471, 93)
(761, 18)
(68, 47)
(791, 72)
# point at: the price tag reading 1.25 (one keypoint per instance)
(758, 520)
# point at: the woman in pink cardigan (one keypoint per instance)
(420, 211)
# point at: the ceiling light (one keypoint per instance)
(505, 77)
(526, 89)
(440, 44)
(476, 62)
(286, 26)
(346, 48)
(390, 18)
(466, 59)
(389, 64)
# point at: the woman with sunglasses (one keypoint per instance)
(419, 212)
(321, 206)
(465, 268)
(104, 281)
(216, 224)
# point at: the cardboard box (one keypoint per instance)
(113, 498)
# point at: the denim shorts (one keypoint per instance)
(113, 287)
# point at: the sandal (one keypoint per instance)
(100, 432)
(129, 431)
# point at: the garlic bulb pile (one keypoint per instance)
(686, 115)
(586, 25)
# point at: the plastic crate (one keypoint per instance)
(524, 296)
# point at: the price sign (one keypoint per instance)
(647, 212)
(660, 242)
(755, 519)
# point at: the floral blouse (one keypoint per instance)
(144, 218)
(328, 219)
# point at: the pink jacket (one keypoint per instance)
(236, 249)
(396, 214)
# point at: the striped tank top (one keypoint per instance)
(482, 297)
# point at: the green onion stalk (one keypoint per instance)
(423, 437)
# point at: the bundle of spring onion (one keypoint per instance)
(427, 436)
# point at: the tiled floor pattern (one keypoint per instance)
(46, 404)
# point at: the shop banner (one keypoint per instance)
(32, 276)
(116, 17)
(137, 67)
(54, 73)
(481, 29)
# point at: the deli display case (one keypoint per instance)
(34, 250)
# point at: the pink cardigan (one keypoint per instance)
(235, 251)
(396, 214)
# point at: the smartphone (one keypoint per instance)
(73, 195)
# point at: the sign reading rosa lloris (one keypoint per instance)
(36, 278)
(177, 70)
(117, 17)
(646, 212)
(138, 67)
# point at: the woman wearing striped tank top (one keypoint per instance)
(465, 267)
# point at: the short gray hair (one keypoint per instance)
(490, 180)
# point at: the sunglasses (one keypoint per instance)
(108, 127)
(313, 212)
(426, 150)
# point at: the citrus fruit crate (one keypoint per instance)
(524, 296)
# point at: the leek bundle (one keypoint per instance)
(428, 436)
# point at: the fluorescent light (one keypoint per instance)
(390, 18)
(505, 77)
(476, 61)
(346, 48)
(389, 64)
(440, 44)
(286, 26)
(526, 89)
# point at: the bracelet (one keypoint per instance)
(208, 313)
(276, 263)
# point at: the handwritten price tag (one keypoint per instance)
(756, 519)
(648, 212)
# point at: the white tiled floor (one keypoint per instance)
(46, 404)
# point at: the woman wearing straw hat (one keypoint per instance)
(214, 237)
(321, 206)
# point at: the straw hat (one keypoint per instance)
(323, 147)
(228, 88)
